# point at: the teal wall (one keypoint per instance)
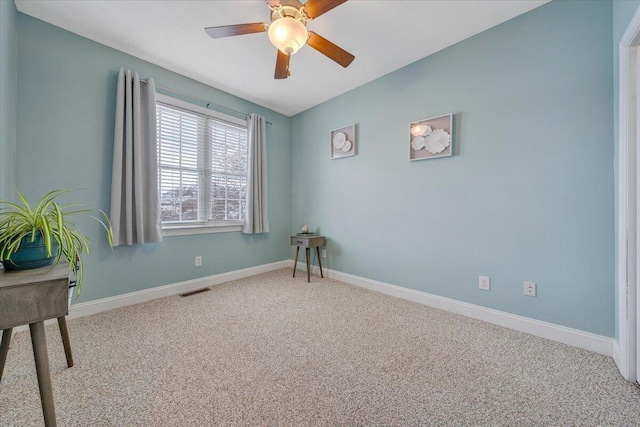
(66, 109)
(623, 11)
(8, 96)
(528, 194)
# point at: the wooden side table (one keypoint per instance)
(31, 297)
(307, 242)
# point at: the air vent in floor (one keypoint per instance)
(197, 291)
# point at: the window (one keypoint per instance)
(202, 167)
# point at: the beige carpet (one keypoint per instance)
(272, 350)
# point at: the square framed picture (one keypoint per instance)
(343, 142)
(431, 138)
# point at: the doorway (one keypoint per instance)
(628, 343)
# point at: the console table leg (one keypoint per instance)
(42, 370)
(319, 262)
(295, 263)
(4, 348)
(308, 251)
(64, 333)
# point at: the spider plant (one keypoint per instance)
(54, 222)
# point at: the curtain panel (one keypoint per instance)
(256, 218)
(135, 209)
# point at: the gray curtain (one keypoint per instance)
(256, 218)
(135, 213)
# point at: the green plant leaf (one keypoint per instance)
(54, 221)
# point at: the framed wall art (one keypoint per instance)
(343, 142)
(431, 138)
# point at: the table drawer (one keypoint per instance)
(298, 241)
(307, 242)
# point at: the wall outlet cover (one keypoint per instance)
(530, 289)
(484, 283)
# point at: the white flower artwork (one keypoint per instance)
(437, 141)
(418, 143)
(343, 142)
(339, 139)
(431, 138)
(421, 130)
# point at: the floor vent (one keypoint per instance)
(197, 291)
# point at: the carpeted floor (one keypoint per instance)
(278, 351)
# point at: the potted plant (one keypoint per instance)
(43, 235)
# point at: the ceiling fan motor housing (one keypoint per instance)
(288, 30)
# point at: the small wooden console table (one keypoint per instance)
(31, 297)
(307, 242)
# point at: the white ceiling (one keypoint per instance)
(383, 35)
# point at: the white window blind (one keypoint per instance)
(202, 165)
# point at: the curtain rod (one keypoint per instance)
(202, 100)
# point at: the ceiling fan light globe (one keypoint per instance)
(288, 35)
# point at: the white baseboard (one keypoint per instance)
(616, 353)
(96, 306)
(574, 337)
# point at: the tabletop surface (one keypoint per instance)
(9, 279)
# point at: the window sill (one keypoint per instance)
(187, 230)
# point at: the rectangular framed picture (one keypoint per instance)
(343, 142)
(431, 138)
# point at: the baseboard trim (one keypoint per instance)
(574, 337)
(104, 304)
(616, 353)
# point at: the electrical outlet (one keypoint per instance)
(324, 253)
(484, 283)
(198, 261)
(530, 289)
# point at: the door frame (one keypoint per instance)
(628, 219)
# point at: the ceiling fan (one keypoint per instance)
(288, 31)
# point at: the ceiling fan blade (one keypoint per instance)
(315, 8)
(330, 50)
(282, 65)
(272, 3)
(236, 30)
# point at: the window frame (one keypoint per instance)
(201, 227)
